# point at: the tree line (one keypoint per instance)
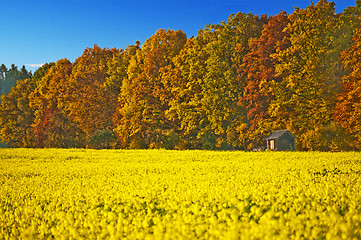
(226, 88)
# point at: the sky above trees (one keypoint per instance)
(38, 31)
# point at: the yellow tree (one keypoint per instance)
(208, 88)
(305, 98)
(186, 106)
(16, 116)
(117, 73)
(144, 98)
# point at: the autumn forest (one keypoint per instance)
(225, 89)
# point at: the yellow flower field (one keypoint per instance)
(159, 194)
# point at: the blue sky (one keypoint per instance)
(34, 32)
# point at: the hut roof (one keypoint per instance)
(278, 134)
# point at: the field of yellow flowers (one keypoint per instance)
(159, 194)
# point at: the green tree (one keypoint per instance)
(3, 71)
(102, 139)
(9, 77)
(16, 115)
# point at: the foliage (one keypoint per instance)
(258, 70)
(145, 94)
(91, 103)
(52, 127)
(306, 96)
(102, 139)
(8, 80)
(225, 89)
(9, 77)
(157, 194)
(207, 91)
(348, 111)
(16, 116)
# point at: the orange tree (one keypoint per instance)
(90, 102)
(51, 127)
(16, 115)
(258, 70)
(348, 110)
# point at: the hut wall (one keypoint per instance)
(286, 143)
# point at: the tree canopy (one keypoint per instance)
(226, 88)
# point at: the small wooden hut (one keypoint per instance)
(281, 140)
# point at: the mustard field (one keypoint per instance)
(159, 194)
